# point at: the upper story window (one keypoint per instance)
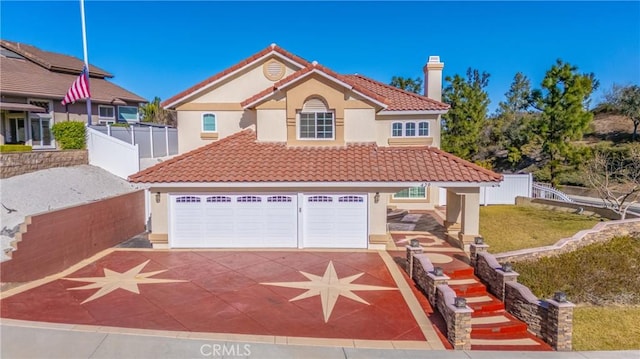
(107, 112)
(209, 123)
(410, 129)
(128, 114)
(316, 121)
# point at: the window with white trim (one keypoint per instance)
(411, 193)
(410, 129)
(316, 121)
(106, 112)
(128, 114)
(209, 123)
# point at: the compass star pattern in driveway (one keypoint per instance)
(113, 280)
(329, 287)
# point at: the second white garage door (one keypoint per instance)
(335, 221)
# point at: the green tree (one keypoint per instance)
(625, 100)
(462, 126)
(153, 112)
(407, 84)
(564, 116)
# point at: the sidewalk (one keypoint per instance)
(31, 342)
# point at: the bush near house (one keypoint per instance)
(70, 135)
(15, 148)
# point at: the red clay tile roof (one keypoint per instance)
(399, 100)
(239, 65)
(239, 158)
(53, 61)
(311, 67)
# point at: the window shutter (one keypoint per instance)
(314, 105)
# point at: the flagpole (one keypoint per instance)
(86, 59)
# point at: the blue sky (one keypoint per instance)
(159, 48)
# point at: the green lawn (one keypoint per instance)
(603, 280)
(507, 228)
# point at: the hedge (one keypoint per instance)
(14, 148)
(70, 135)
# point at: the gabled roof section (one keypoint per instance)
(53, 61)
(271, 49)
(314, 68)
(399, 100)
(239, 158)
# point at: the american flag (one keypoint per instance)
(79, 89)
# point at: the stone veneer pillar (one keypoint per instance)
(474, 250)
(411, 252)
(559, 325)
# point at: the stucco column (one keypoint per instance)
(470, 221)
(453, 210)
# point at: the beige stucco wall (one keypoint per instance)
(383, 127)
(271, 125)
(159, 213)
(244, 85)
(228, 123)
(359, 125)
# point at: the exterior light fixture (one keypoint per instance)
(157, 197)
(437, 271)
(376, 198)
(414, 243)
(478, 240)
(560, 297)
(507, 267)
(460, 302)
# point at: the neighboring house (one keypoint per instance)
(34, 82)
(277, 151)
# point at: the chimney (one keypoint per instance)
(433, 78)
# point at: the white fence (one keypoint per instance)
(152, 141)
(512, 186)
(118, 157)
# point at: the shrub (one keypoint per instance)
(71, 135)
(14, 148)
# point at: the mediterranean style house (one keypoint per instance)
(277, 151)
(34, 82)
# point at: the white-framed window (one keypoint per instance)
(128, 114)
(316, 121)
(411, 193)
(410, 129)
(209, 123)
(106, 112)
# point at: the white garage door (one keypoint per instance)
(233, 221)
(335, 221)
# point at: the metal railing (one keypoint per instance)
(546, 191)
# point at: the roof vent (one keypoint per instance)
(273, 45)
(314, 63)
(434, 59)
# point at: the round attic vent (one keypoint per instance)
(273, 70)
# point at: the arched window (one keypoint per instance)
(209, 123)
(316, 120)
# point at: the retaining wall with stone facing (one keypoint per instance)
(18, 163)
(549, 320)
(441, 297)
(601, 232)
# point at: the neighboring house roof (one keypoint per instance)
(51, 60)
(273, 48)
(307, 71)
(240, 158)
(395, 99)
(24, 77)
(399, 100)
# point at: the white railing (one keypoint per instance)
(546, 191)
(118, 157)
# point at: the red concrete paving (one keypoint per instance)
(223, 294)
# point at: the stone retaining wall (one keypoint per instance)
(601, 232)
(17, 163)
(441, 297)
(549, 320)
